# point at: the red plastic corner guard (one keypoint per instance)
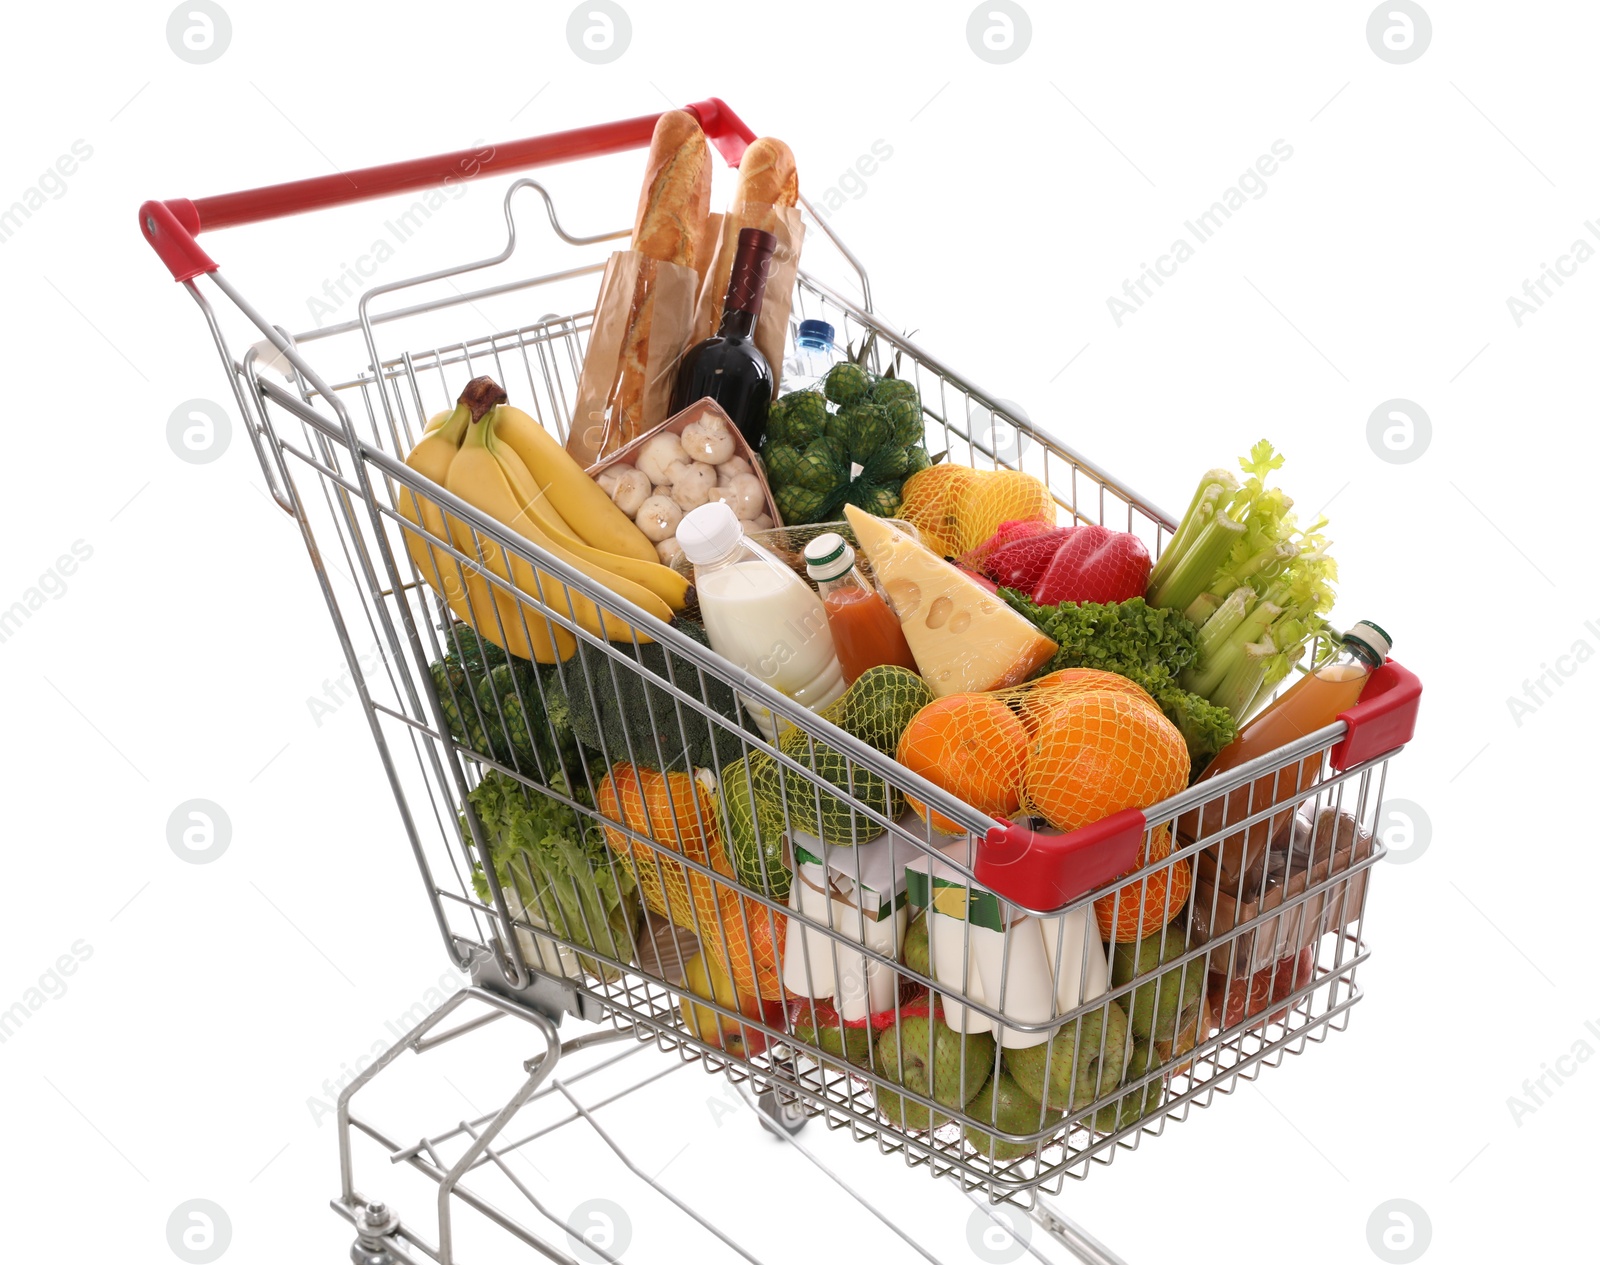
(170, 227)
(728, 132)
(1045, 871)
(1383, 720)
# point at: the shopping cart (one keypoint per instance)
(1278, 951)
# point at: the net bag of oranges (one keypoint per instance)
(675, 814)
(1071, 747)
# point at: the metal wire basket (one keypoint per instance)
(1276, 953)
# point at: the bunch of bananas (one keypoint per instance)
(501, 461)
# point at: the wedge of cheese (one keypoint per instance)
(962, 636)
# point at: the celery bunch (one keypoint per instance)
(1257, 585)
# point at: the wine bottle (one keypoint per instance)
(728, 367)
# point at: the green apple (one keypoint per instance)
(931, 1058)
(1077, 1069)
(1168, 1006)
(1140, 1103)
(1010, 1109)
(915, 951)
(818, 1024)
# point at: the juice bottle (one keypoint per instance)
(866, 632)
(1233, 863)
(1312, 702)
(759, 614)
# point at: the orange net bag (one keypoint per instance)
(974, 746)
(678, 813)
(1144, 906)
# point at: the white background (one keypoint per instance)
(178, 661)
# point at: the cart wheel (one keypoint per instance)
(780, 1117)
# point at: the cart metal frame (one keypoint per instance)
(332, 449)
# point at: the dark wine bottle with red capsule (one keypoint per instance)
(729, 367)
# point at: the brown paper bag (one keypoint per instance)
(643, 320)
(772, 327)
(1332, 845)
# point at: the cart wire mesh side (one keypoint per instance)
(1252, 967)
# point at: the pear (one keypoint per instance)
(1010, 1109)
(914, 952)
(1077, 1069)
(1168, 1006)
(818, 1024)
(929, 1057)
(1138, 1104)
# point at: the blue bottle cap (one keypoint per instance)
(816, 333)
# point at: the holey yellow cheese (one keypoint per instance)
(962, 636)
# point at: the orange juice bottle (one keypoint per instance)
(1313, 701)
(866, 632)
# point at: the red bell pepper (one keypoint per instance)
(1095, 564)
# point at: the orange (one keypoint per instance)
(1146, 905)
(1099, 752)
(1039, 698)
(677, 814)
(971, 745)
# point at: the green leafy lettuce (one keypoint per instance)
(554, 862)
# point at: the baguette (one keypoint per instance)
(668, 229)
(676, 196)
(767, 190)
(767, 174)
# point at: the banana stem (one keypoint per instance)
(482, 394)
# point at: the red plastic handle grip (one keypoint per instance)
(169, 228)
(1383, 720)
(172, 235)
(1045, 871)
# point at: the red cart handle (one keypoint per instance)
(1383, 720)
(170, 226)
(1045, 871)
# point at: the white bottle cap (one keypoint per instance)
(828, 557)
(707, 532)
(1372, 639)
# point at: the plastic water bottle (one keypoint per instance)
(812, 358)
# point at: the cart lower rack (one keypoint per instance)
(1244, 973)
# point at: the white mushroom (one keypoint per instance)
(692, 484)
(763, 522)
(658, 518)
(747, 498)
(708, 439)
(731, 467)
(657, 456)
(611, 476)
(632, 491)
(663, 489)
(668, 550)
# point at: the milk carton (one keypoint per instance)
(860, 892)
(983, 949)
